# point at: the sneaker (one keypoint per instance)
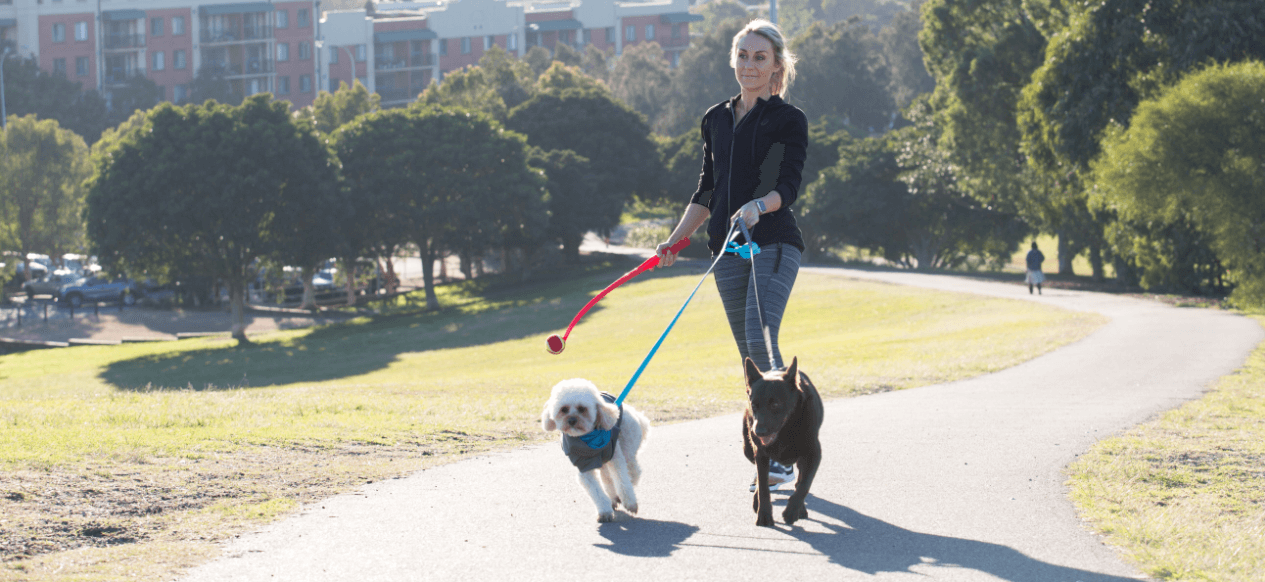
(779, 475)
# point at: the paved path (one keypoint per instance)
(962, 481)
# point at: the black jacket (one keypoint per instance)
(765, 152)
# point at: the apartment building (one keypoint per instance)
(293, 50)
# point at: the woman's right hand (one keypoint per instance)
(666, 257)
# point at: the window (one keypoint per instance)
(488, 42)
(630, 33)
(676, 31)
(59, 67)
(512, 42)
(333, 55)
(305, 51)
(81, 66)
(588, 36)
(178, 60)
(443, 47)
(177, 25)
(179, 93)
(59, 33)
(649, 32)
(81, 31)
(305, 83)
(155, 27)
(283, 85)
(610, 35)
(363, 81)
(360, 53)
(159, 61)
(465, 45)
(283, 51)
(304, 18)
(283, 19)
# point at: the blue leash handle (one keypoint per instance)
(632, 381)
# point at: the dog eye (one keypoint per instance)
(565, 409)
(581, 410)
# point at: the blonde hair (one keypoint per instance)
(782, 55)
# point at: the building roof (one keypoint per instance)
(402, 35)
(551, 25)
(213, 9)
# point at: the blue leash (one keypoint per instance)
(750, 250)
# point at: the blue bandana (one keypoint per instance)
(587, 452)
(745, 251)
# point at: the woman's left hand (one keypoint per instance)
(749, 214)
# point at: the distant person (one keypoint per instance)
(1035, 276)
(754, 147)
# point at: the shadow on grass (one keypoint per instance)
(866, 544)
(492, 311)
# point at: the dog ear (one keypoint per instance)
(752, 372)
(607, 414)
(546, 418)
(792, 373)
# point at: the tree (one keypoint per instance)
(468, 88)
(1111, 55)
(566, 55)
(574, 112)
(136, 94)
(720, 14)
(29, 90)
(898, 195)
(329, 111)
(210, 84)
(512, 78)
(595, 62)
(202, 188)
(841, 73)
(42, 169)
(907, 74)
(1193, 154)
(462, 197)
(570, 183)
(642, 79)
(539, 59)
(702, 79)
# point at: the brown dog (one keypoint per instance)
(782, 422)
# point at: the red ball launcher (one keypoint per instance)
(556, 344)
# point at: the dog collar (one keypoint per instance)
(590, 451)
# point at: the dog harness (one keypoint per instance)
(590, 451)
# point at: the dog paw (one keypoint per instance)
(632, 508)
(793, 512)
(606, 517)
(764, 519)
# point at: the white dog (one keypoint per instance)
(577, 409)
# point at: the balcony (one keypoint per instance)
(422, 60)
(236, 34)
(246, 67)
(121, 76)
(124, 41)
(414, 61)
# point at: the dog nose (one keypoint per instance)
(571, 420)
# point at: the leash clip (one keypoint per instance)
(745, 251)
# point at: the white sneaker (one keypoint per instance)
(779, 475)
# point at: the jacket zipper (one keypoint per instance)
(729, 182)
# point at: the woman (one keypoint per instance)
(754, 147)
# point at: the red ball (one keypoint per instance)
(555, 344)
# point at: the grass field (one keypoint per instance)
(1184, 495)
(137, 458)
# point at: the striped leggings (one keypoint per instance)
(776, 267)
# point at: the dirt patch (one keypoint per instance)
(106, 503)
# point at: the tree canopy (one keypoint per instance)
(204, 188)
(1194, 154)
(475, 193)
(42, 169)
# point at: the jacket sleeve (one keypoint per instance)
(706, 182)
(793, 135)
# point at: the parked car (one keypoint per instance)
(49, 284)
(97, 289)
